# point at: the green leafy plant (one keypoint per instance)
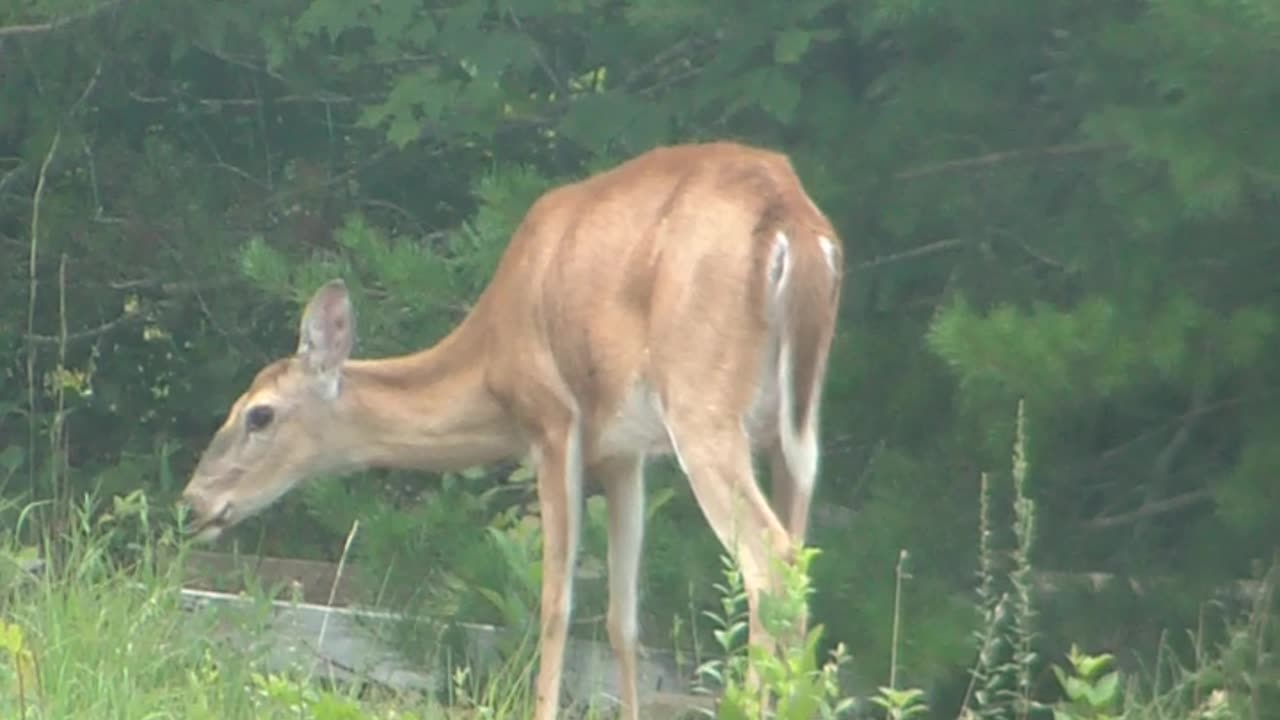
(900, 704)
(791, 683)
(1092, 688)
(279, 696)
(1002, 685)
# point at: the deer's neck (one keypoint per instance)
(429, 410)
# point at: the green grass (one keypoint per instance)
(102, 633)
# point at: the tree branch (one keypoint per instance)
(1004, 156)
(50, 26)
(10, 175)
(90, 333)
(219, 103)
(688, 43)
(928, 249)
(1169, 453)
(1152, 508)
(173, 288)
(240, 62)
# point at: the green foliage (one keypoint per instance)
(754, 682)
(1007, 658)
(279, 696)
(1059, 202)
(93, 634)
(1092, 688)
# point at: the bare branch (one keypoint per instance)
(88, 89)
(387, 204)
(1042, 258)
(1004, 156)
(242, 174)
(670, 80)
(240, 62)
(686, 43)
(173, 288)
(1149, 509)
(219, 103)
(88, 334)
(929, 249)
(50, 26)
(10, 175)
(1165, 459)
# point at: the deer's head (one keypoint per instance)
(283, 429)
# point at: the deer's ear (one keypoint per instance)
(327, 332)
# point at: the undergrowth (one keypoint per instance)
(93, 624)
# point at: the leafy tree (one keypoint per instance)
(1058, 202)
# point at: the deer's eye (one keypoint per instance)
(259, 417)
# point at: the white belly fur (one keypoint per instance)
(637, 427)
(640, 426)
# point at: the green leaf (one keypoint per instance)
(523, 473)
(1090, 665)
(791, 45)
(732, 709)
(774, 90)
(1103, 693)
(11, 638)
(597, 120)
(1076, 688)
(332, 17)
(403, 129)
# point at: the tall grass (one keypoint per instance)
(102, 632)
(106, 637)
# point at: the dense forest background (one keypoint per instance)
(1067, 203)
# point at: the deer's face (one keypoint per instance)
(282, 430)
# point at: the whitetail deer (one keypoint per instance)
(681, 303)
